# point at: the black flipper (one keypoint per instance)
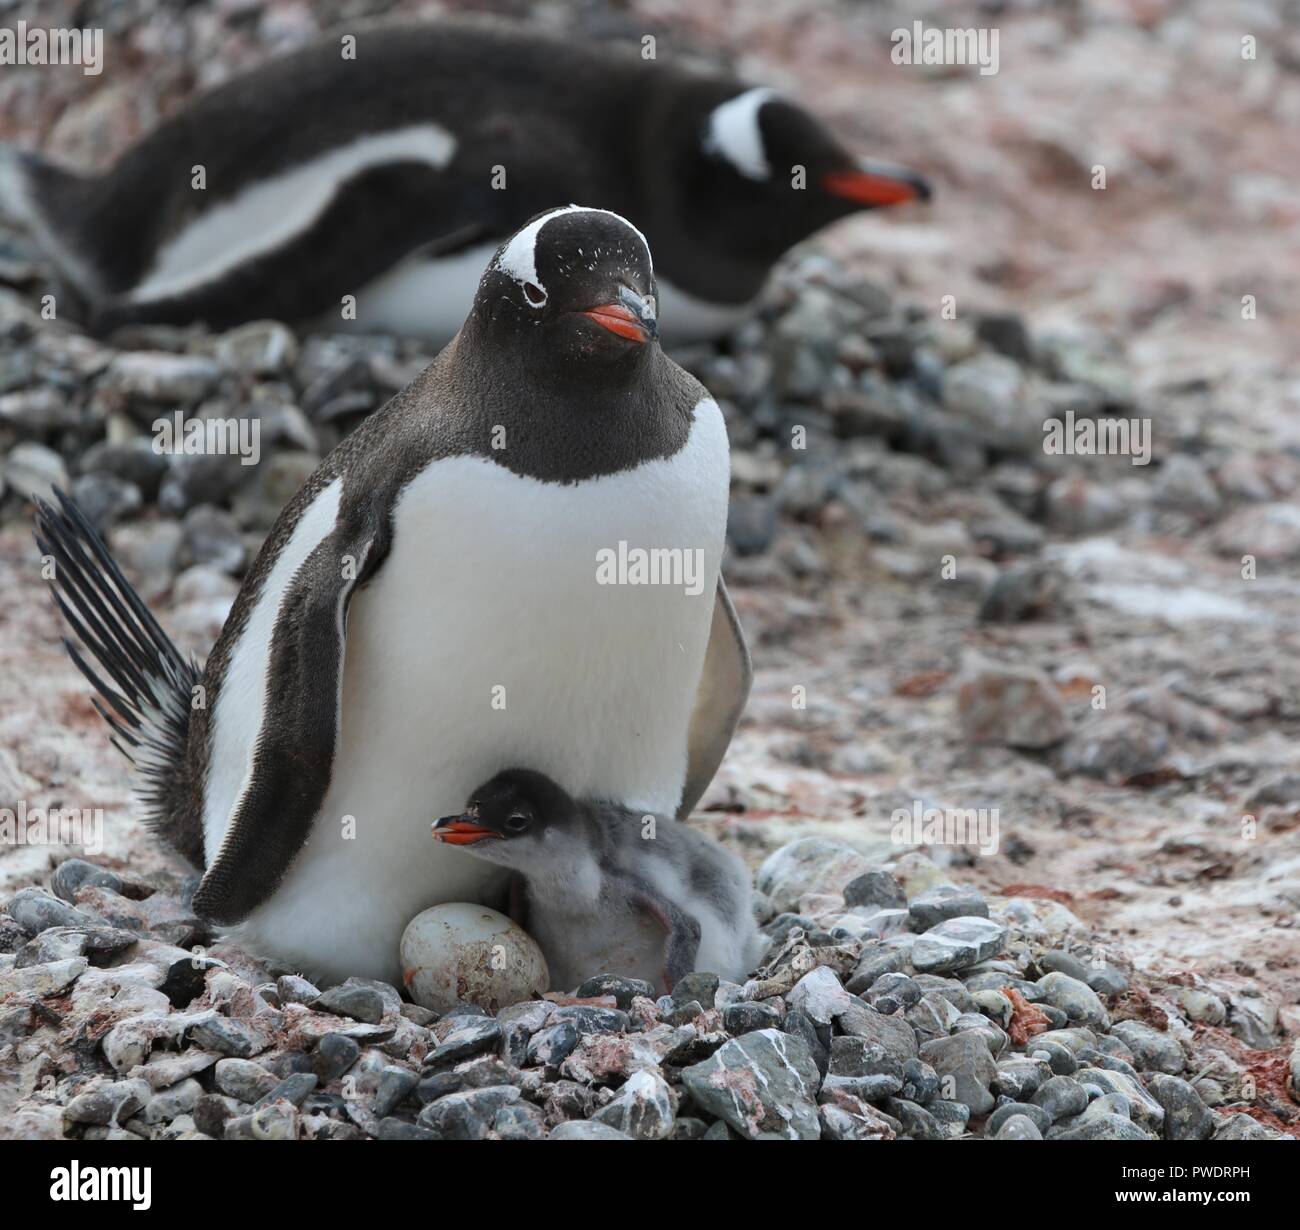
(144, 685)
(294, 756)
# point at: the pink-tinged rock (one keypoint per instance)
(1011, 706)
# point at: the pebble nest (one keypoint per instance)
(901, 1007)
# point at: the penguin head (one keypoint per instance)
(509, 818)
(755, 174)
(573, 289)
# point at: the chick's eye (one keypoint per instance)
(517, 822)
(534, 294)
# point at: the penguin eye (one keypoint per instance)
(534, 294)
(517, 822)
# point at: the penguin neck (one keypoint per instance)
(558, 422)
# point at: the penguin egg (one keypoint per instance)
(470, 954)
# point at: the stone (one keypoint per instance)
(1018, 1127)
(105, 499)
(395, 1085)
(1020, 1077)
(1037, 1115)
(1152, 1050)
(935, 905)
(699, 986)
(35, 910)
(33, 471)
(1013, 706)
(763, 1084)
(260, 347)
(810, 864)
(469, 1114)
(957, 943)
(1241, 1126)
(877, 890)
(819, 995)
(965, 1058)
(1186, 1115)
(577, 1129)
(162, 377)
(228, 1036)
(624, 990)
(1061, 1097)
(1076, 999)
(845, 1117)
(468, 1037)
(643, 1108)
(361, 1003)
(552, 1045)
(243, 1079)
(335, 1054)
(1102, 1127)
(292, 989)
(293, 1090)
(1115, 748)
(107, 1102)
(742, 1018)
(876, 959)
(72, 873)
(1145, 1109)
(894, 1034)
(212, 536)
(918, 1123)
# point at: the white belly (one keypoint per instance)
(485, 643)
(429, 299)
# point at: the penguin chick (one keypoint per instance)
(608, 890)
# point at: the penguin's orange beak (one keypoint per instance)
(460, 831)
(629, 316)
(876, 184)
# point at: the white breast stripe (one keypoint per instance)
(244, 688)
(266, 215)
(734, 133)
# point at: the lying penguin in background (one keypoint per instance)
(430, 605)
(607, 890)
(393, 176)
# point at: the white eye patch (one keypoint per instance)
(733, 133)
(518, 258)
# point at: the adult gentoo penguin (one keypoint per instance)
(430, 609)
(392, 175)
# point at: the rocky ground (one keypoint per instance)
(1102, 656)
(898, 1005)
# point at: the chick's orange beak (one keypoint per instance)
(460, 831)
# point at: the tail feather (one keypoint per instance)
(144, 685)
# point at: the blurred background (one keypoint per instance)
(929, 686)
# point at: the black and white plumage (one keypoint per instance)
(427, 610)
(608, 890)
(380, 177)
